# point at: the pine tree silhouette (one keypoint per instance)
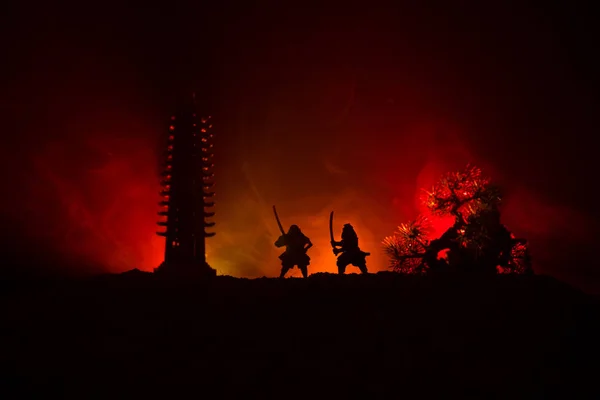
(477, 241)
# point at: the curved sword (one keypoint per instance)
(331, 231)
(278, 221)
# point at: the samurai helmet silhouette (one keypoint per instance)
(294, 229)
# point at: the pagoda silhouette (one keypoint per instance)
(186, 183)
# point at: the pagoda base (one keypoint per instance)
(185, 270)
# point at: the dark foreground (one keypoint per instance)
(377, 336)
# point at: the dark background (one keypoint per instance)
(348, 106)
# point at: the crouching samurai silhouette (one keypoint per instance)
(348, 246)
(296, 245)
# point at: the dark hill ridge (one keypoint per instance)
(136, 336)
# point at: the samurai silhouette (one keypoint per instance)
(296, 245)
(348, 246)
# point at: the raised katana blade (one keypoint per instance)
(331, 226)
(278, 221)
(331, 231)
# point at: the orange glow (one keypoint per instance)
(123, 235)
(171, 128)
(94, 197)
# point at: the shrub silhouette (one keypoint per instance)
(477, 242)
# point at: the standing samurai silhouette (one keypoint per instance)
(348, 246)
(296, 245)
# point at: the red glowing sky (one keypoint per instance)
(339, 116)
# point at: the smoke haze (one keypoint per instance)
(314, 112)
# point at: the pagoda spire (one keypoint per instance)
(187, 183)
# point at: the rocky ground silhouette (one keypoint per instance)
(381, 335)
